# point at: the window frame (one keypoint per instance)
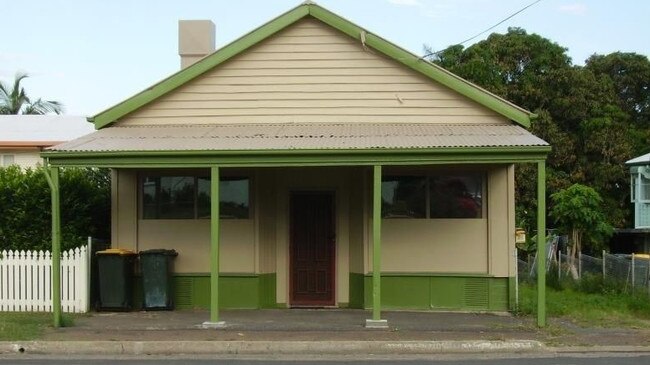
(195, 174)
(4, 157)
(427, 175)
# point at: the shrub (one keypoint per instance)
(25, 221)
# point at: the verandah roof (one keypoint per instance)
(288, 136)
(298, 144)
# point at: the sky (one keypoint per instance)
(92, 54)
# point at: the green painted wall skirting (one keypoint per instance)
(249, 291)
(419, 291)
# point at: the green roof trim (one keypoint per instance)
(434, 72)
(297, 157)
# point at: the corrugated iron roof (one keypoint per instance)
(307, 136)
(641, 160)
(42, 128)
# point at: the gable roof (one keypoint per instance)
(392, 51)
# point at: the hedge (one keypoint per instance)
(25, 207)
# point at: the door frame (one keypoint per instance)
(333, 258)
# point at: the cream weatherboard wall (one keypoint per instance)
(452, 246)
(25, 158)
(260, 246)
(310, 72)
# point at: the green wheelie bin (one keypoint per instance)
(157, 281)
(116, 268)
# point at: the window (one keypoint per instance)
(434, 196)
(456, 196)
(640, 187)
(7, 160)
(188, 197)
(403, 197)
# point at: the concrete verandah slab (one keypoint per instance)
(297, 320)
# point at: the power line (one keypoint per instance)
(487, 30)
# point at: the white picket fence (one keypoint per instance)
(26, 281)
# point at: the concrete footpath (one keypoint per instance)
(326, 332)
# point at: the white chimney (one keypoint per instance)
(195, 40)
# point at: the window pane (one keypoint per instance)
(458, 196)
(203, 197)
(403, 197)
(150, 186)
(645, 188)
(176, 197)
(7, 160)
(233, 198)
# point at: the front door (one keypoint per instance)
(312, 249)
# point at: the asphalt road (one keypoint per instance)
(618, 359)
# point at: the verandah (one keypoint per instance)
(537, 156)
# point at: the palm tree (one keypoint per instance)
(14, 100)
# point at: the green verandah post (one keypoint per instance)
(541, 243)
(52, 177)
(376, 321)
(214, 251)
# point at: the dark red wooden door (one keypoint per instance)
(312, 249)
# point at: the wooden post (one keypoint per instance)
(633, 272)
(559, 265)
(52, 177)
(214, 251)
(604, 266)
(541, 243)
(376, 321)
(579, 265)
(516, 253)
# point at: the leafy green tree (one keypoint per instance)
(630, 74)
(25, 206)
(578, 212)
(580, 113)
(14, 100)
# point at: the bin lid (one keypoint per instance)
(116, 251)
(159, 251)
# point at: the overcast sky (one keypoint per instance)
(91, 54)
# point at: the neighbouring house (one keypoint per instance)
(311, 163)
(637, 239)
(23, 137)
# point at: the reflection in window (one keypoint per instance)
(403, 197)
(188, 197)
(456, 196)
(233, 197)
(168, 197)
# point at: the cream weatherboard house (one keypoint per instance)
(351, 173)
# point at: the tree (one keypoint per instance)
(580, 112)
(630, 75)
(578, 212)
(14, 100)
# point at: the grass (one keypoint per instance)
(587, 307)
(23, 326)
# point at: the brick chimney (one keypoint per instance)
(195, 40)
